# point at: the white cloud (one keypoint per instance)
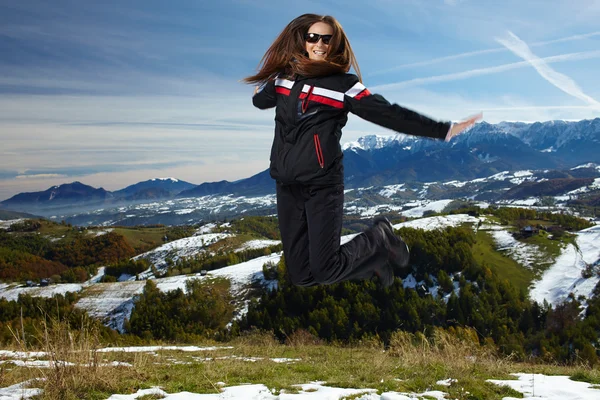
(40, 176)
(561, 81)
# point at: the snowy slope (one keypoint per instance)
(11, 293)
(113, 302)
(564, 276)
(423, 206)
(5, 224)
(522, 253)
(439, 222)
(186, 247)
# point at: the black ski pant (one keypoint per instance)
(310, 221)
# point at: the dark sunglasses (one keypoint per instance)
(314, 38)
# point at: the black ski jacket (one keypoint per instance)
(309, 118)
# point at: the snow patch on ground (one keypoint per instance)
(208, 228)
(247, 272)
(100, 233)
(184, 211)
(111, 302)
(371, 211)
(19, 391)
(5, 224)
(181, 248)
(154, 349)
(455, 183)
(96, 278)
(534, 386)
(522, 253)
(422, 207)
(496, 177)
(526, 202)
(12, 293)
(390, 190)
(588, 165)
(542, 387)
(564, 276)
(258, 244)
(439, 222)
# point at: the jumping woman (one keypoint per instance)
(305, 76)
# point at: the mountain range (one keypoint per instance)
(552, 148)
(77, 194)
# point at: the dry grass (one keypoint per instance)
(76, 370)
(458, 347)
(302, 337)
(411, 363)
(75, 364)
(454, 354)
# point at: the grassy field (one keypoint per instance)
(411, 363)
(57, 231)
(143, 239)
(485, 254)
(140, 238)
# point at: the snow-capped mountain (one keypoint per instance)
(154, 188)
(374, 142)
(560, 135)
(482, 151)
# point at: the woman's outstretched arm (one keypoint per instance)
(375, 108)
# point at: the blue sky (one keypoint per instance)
(115, 92)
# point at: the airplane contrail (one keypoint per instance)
(486, 71)
(561, 81)
(480, 52)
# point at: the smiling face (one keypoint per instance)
(318, 51)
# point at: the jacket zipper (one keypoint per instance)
(319, 151)
(305, 100)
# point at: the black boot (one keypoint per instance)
(385, 273)
(398, 252)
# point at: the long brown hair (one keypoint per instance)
(288, 55)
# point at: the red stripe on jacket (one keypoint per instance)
(323, 100)
(362, 94)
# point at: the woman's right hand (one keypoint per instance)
(256, 89)
(459, 127)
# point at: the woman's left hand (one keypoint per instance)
(459, 127)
